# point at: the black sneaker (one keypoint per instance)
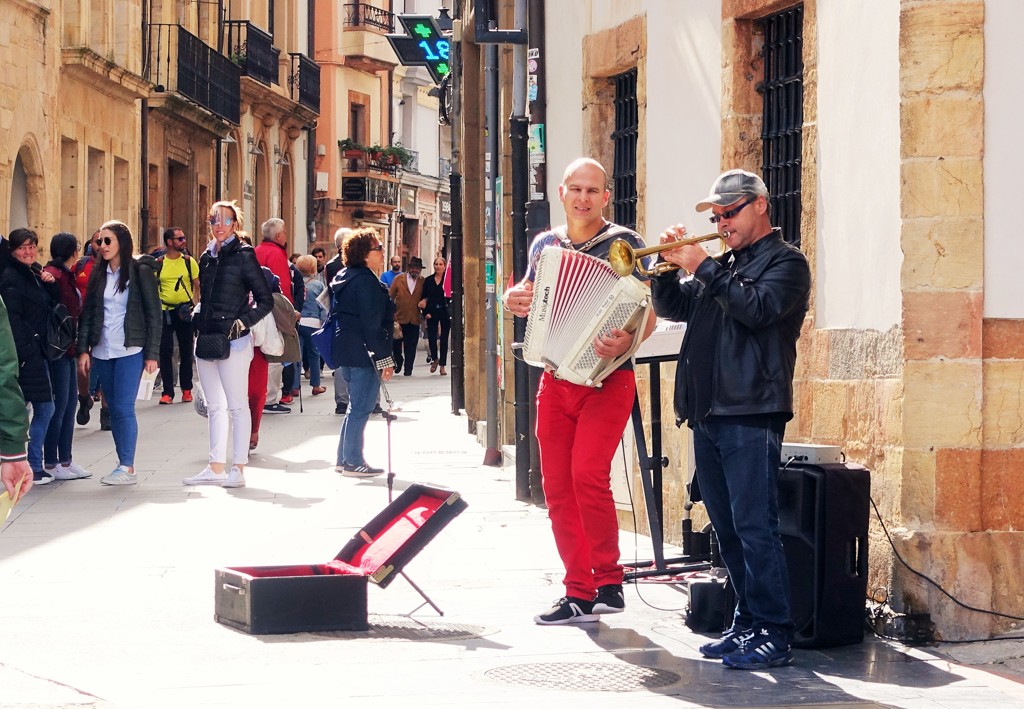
(761, 650)
(568, 610)
(341, 408)
(730, 641)
(84, 404)
(276, 409)
(41, 477)
(359, 471)
(104, 418)
(610, 599)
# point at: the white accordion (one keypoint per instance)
(577, 297)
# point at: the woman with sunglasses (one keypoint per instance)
(28, 295)
(229, 278)
(119, 336)
(366, 316)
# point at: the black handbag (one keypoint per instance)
(212, 346)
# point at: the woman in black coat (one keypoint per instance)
(28, 293)
(435, 311)
(365, 316)
(234, 297)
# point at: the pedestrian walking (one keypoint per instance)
(57, 454)
(363, 344)
(230, 278)
(119, 336)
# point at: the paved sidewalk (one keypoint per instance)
(109, 592)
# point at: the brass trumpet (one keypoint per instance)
(624, 258)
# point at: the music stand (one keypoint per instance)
(663, 349)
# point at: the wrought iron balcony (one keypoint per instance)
(361, 14)
(181, 62)
(253, 50)
(304, 81)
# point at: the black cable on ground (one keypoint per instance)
(950, 596)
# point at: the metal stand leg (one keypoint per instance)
(426, 598)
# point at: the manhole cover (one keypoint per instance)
(408, 629)
(584, 676)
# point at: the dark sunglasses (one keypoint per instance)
(106, 241)
(729, 214)
(228, 221)
(179, 238)
(378, 247)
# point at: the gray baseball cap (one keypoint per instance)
(731, 187)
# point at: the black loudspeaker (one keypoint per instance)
(823, 519)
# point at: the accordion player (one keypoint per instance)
(578, 297)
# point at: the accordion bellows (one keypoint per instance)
(576, 297)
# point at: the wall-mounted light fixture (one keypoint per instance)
(253, 148)
(282, 158)
(229, 139)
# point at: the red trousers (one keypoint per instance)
(579, 429)
(257, 388)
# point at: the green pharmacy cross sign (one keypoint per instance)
(422, 45)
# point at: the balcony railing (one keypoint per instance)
(304, 82)
(361, 14)
(179, 61)
(253, 50)
(444, 168)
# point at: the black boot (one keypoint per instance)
(104, 419)
(84, 404)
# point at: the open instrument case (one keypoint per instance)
(333, 595)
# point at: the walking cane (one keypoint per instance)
(388, 417)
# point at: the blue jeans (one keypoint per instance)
(119, 380)
(362, 395)
(310, 357)
(42, 412)
(59, 434)
(737, 470)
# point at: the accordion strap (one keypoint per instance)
(610, 230)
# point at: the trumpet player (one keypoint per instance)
(734, 389)
(579, 427)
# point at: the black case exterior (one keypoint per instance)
(314, 597)
(266, 604)
(823, 520)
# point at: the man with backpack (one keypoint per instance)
(178, 274)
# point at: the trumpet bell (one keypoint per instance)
(624, 258)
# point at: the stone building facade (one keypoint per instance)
(910, 358)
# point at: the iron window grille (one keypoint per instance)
(624, 138)
(782, 120)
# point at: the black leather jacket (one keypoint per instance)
(225, 282)
(758, 301)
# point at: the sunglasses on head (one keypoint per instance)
(227, 221)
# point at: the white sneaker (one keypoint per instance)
(234, 478)
(206, 477)
(71, 471)
(119, 476)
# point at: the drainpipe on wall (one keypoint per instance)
(538, 211)
(143, 140)
(458, 331)
(518, 130)
(492, 456)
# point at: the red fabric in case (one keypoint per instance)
(376, 552)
